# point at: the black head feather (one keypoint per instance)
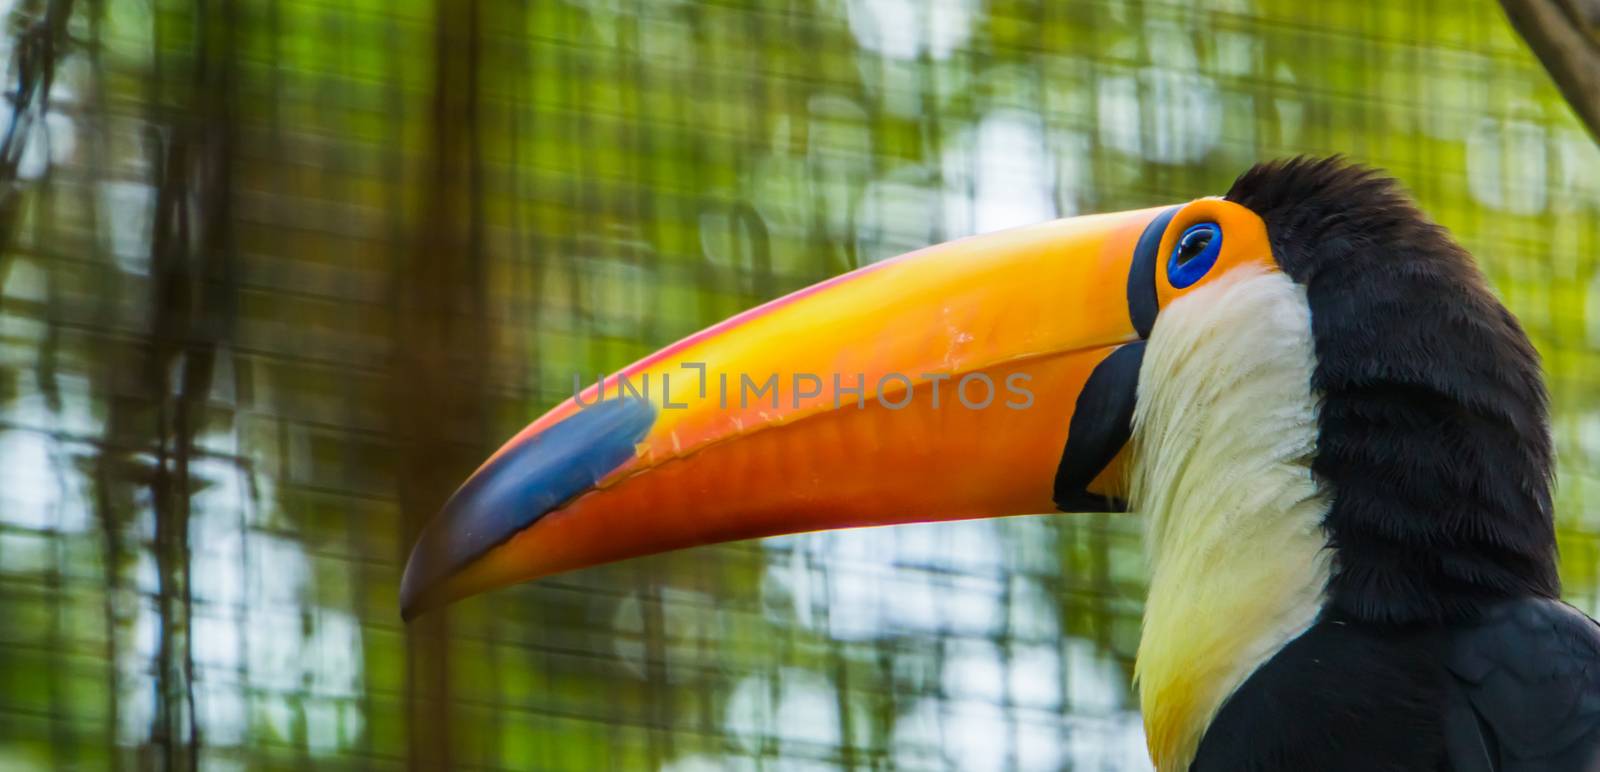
(1433, 433)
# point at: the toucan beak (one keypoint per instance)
(985, 377)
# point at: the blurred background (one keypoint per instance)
(275, 275)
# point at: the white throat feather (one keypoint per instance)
(1223, 437)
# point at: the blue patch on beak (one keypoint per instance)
(522, 485)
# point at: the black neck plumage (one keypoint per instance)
(1433, 436)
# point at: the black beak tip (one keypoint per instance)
(412, 588)
(515, 489)
(429, 567)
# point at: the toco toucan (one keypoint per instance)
(1336, 436)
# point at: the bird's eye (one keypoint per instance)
(1194, 255)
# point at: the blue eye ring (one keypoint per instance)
(1194, 254)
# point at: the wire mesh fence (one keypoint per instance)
(276, 275)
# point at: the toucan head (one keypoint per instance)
(1305, 370)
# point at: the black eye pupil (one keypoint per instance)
(1192, 245)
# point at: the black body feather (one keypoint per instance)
(1442, 645)
(1433, 436)
(1517, 690)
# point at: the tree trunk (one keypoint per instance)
(1565, 35)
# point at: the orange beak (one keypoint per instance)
(985, 377)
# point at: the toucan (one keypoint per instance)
(1336, 437)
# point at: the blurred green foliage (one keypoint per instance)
(277, 274)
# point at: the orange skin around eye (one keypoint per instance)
(1244, 242)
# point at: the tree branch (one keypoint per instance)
(1563, 34)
